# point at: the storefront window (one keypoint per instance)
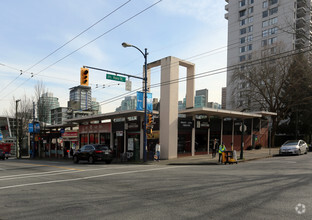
(105, 138)
(83, 139)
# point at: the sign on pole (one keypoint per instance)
(128, 85)
(116, 78)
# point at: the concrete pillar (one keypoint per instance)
(190, 86)
(233, 130)
(169, 108)
(193, 137)
(221, 137)
(111, 142)
(208, 139)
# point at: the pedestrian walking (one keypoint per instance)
(157, 151)
(222, 148)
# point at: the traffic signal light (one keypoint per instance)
(84, 76)
(149, 131)
(150, 118)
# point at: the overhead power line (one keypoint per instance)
(110, 30)
(213, 72)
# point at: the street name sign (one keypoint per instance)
(116, 78)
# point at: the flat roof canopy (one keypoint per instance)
(189, 112)
(224, 113)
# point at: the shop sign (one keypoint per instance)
(202, 124)
(70, 134)
(186, 123)
(119, 133)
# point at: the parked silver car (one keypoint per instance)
(292, 147)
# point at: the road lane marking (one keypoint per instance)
(88, 177)
(44, 165)
(51, 173)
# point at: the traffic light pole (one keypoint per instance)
(109, 71)
(144, 78)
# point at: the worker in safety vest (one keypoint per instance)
(222, 148)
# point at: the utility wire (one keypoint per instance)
(214, 72)
(115, 27)
(106, 16)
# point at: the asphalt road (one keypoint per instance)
(262, 189)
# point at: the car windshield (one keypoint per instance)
(101, 147)
(290, 143)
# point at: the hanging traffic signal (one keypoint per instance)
(150, 118)
(84, 76)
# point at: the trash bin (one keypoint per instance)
(229, 157)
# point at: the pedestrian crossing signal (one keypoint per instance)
(84, 76)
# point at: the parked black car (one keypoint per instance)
(2, 154)
(94, 152)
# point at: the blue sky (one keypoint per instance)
(30, 30)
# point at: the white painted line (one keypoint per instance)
(51, 173)
(88, 177)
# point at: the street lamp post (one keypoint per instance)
(145, 95)
(17, 141)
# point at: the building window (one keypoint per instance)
(242, 49)
(273, 21)
(272, 40)
(242, 58)
(242, 3)
(243, 40)
(249, 56)
(250, 28)
(250, 19)
(272, 2)
(264, 43)
(264, 33)
(249, 38)
(265, 23)
(265, 14)
(273, 50)
(242, 13)
(243, 31)
(250, 10)
(272, 30)
(251, 1)
(265, 4)
(242, 22)
(249, 47)
(273, 10)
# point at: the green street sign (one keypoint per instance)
(116, 78)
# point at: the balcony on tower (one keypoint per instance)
(300, 22)
(301, 12)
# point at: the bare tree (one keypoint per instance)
(266, 84)
(22, 111)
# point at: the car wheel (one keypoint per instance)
(299, 152)
(306, 152)
(108, 161)
(91, 159)
(76, 160)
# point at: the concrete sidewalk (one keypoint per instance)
(208, 160)
(189, 160)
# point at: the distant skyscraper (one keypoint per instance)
(261, 26)
(80, 98)
(204, 94)
(223, 101)
(129, 103)
(44, 106)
